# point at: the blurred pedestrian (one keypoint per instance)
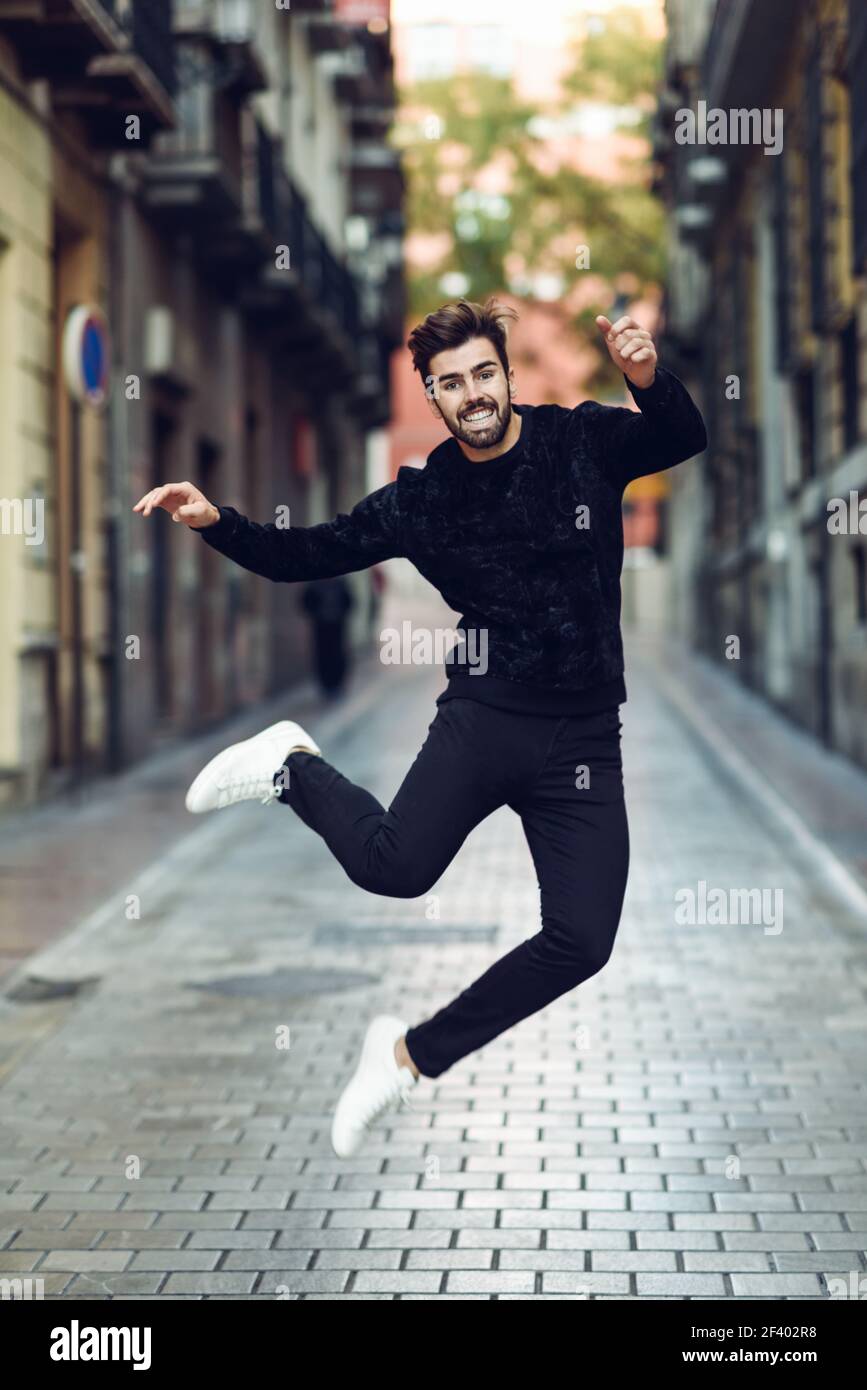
(328, 603)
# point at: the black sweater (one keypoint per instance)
(528, 546)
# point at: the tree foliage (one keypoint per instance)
(485, 136)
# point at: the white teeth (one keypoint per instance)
(479, 415)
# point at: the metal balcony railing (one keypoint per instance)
(283, 211)
(70, 39)
(147, 25)
(152, 39)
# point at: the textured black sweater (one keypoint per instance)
(528, 547)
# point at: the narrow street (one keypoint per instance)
(689, 1124)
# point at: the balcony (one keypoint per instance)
(369, 84)
(325, 34)
(192, 177)
(311, 307)
(226, 35)
(373, 392)
(277, 210)
(376, 179)
(105, 59)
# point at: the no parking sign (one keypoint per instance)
(85, 355)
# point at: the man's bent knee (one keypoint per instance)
(394, 881)
(584, 954)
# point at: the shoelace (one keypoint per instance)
(230, 792)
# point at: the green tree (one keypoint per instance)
(454, 132)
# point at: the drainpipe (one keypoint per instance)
(76, 564)
(115, 474)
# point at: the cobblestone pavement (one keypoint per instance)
(689, 1124)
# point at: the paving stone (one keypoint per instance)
(679, 1240)
(584, 1283)
(83, 1261)
(451, 1259)
(373, 1218)
(175, 1259)
(365, 1259)
(493, 1281)
(761, 1240)
(654, 1261)
(682, 1285)
(19, 1261)
(111, 1286)
(566, 1239)
(272, 1259)
(402, 1281)
(205, 1220)
(141, 1240)
(304, 1281)
(726, 1261)
(209, 1283)
(777, 1286)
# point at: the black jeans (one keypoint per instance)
(562, 776)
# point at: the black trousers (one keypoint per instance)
(562, 776)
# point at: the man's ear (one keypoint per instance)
(434, 406)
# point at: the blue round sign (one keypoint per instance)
(85, 354)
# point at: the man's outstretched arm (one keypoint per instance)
(667, 427)
(352, 541)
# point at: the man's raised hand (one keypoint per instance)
(631, 349)
(183, 502)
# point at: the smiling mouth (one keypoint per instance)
(479, 416)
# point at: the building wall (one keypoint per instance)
(230, 433)
(52, 257)
(317, 133)
(27, 617)
(262, 412)
(778, 301)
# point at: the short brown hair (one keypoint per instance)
(455, 324)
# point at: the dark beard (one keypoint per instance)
(487, 438)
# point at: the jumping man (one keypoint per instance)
(516, 519)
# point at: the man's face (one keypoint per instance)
(472, 392)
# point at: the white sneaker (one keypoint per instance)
(245, 771)
(378, 1084)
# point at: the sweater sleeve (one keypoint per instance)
(352, 541)
(666, 429)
